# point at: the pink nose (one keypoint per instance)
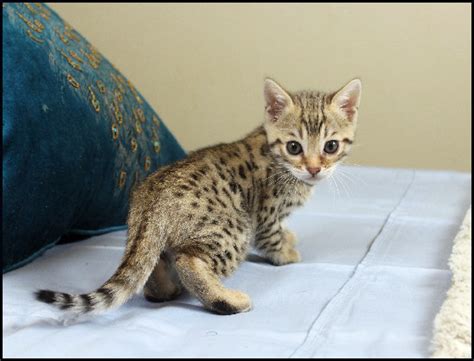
(313, 170)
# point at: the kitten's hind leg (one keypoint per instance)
(163, 284)
(198, 277)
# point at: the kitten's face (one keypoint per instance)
(310, 133)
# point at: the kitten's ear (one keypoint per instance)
(277, 101)
(347, 99)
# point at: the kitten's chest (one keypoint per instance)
(276, 203)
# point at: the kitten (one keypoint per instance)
(193, 222)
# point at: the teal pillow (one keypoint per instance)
(77, 135)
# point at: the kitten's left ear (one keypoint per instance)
(347, 99)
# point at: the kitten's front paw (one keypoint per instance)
(290, 238)
(285, 256)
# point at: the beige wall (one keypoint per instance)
(201, 66)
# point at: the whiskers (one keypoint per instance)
(344, 182)
(282, 178)
(351, 176)
(276, 177)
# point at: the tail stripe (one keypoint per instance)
(67, 301)
(88, 302)
(108, 295)
(46, 296)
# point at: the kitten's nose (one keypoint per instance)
(313, 170)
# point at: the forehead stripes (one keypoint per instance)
(312, 107)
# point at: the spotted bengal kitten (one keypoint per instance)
(193, 222)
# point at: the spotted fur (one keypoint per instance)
(194, 222)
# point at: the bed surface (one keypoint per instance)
(373, 275)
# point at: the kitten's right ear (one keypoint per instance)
(277, 101)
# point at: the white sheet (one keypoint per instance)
(373, 276)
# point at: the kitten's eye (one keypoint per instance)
(331, 146)
(294, 148)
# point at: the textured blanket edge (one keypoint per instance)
(452, 325)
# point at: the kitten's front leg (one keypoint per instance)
(278, 246)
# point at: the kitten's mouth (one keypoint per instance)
(307, 178)
(311, 179)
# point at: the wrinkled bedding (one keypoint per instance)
(374, 243)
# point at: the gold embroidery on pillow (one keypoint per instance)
(61, 36)
(71, 35)
(138, 127)
(70, 61)
(31, 8)
(118, 95)
(75, 56)
(94, 51)
(31, 25)
(30, 34)
(117, 81)
(122, 179)
(101, 86)
(139, 115)
(133, 144)
(156, 141)
(156, 145)
(118, 114)
(44, 16)
(73, 81)
(156, 121)
(93, 61)
(120, 79)
(70, 32)
(95, 103)
(39, 24)
(134, 91)
(115, 131)
(147, 163)
(43, 10)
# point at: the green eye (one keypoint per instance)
(331, 146)
(294, 148)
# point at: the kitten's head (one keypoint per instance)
(311, 132)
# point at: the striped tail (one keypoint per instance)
(137, 264)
